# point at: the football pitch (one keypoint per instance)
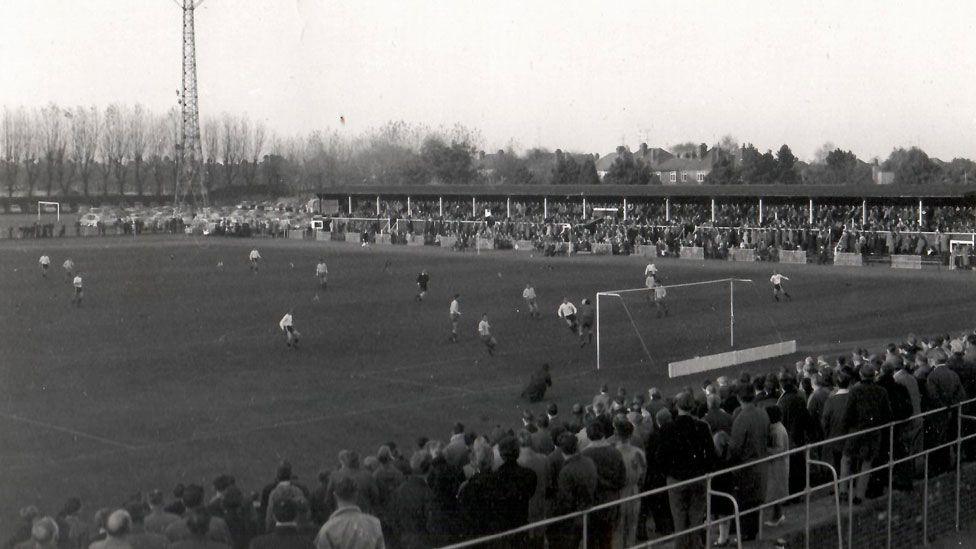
(174, 369)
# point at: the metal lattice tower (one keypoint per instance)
(190, 184)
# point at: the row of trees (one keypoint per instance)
(125, 149)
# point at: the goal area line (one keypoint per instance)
(706, 363)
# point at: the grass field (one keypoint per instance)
(175, 371)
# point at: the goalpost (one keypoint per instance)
(42, 206)
(699, 363)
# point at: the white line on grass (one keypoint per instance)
(68, 430)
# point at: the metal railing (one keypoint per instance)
(836, 485)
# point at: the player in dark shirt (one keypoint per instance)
(540, 381)
(422, 279)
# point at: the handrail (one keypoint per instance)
(708, 477)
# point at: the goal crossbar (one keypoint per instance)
(617, 293)
(40, 208)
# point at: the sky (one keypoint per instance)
(867, 76)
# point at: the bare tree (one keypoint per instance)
(211, 149)
(820, 155)
(137, 129)
(159, 151)
(114, 147)
(31, 154)
(12, 138)
(53, 142)
(231, 147)
(86, 128)
(253, 149)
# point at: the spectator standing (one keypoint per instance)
(117, 527)
(832, 420)
(285, 534)
(868, 407)
(944, 390)
(686, 451)
(538, 463)
(348, 527)
(612, 476)
(796, 419)
(750, 433)
(516, 485)
(478, 497)
(72, 530)
(193, 500)
(576, 491)
(410, 507)
(778, 470)
(636, 465)
(139, 538)
(199, 528)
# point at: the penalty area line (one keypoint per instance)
(68, 430)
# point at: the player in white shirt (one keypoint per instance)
(69, 269)
(322, 273)
(528, 294)
(651, 269)
(253, 259)
(455, 316)
(45, 263)
(657, 293)
(287, 325)
(567, 312)
(77, 283)
(777, 281)
(484, 330)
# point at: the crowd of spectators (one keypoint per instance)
(558, 225)
(552, 463)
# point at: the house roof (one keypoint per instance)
(605, 161)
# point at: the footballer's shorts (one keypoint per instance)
(778, 287)
(44, 266)
(489, 340)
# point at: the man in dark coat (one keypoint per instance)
(901, 409)
(868, 407)
(576, 487)
(799, 425)
(944, 390)
(612, 475)
(535, 391)
(285, 534)
(749, 441)
(685, 452)
(409, 507)
(516, 485)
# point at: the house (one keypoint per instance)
(686, 166)
(881, 177)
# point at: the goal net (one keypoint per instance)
(687, 328)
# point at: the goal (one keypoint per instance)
(961, 253)
(693, 329)
(48, 207)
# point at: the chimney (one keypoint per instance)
(643, 149)
(702, 150)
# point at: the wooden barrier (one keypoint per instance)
(485, 244)
(296, 234)
(602, 249)
(415, 240)
(906, 262)
(742, 254)
(847, 259)
(323, 235)
(646, 250)
(448, 241)
(524, 246)
(353, 237)
(731, 358)
(796, 257)
(692, 252)
(384, 239)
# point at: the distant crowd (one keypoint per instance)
(558, 461)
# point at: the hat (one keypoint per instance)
(654, 392)
(577, 409)
(684, 401)
(552, 409)
(868, 371)
(527, 415)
